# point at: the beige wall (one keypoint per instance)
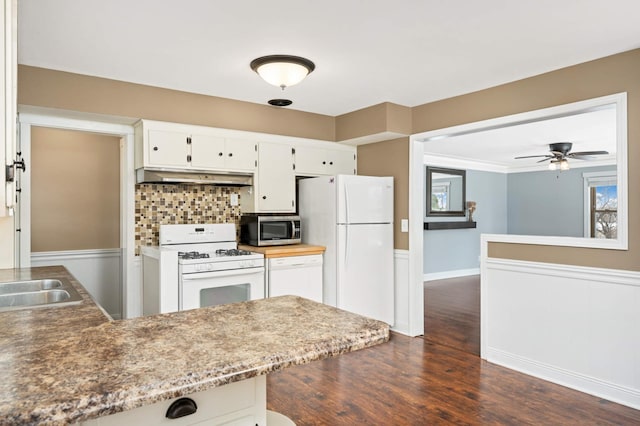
(614, 74)
(390, 158)
(75, 92)
(618, 73)
(75, 194)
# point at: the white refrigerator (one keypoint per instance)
(352, 216)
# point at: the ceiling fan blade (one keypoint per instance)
(573, 154)
(544, 159)
(534, 156)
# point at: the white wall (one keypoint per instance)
(571, 325)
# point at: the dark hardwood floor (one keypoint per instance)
(452, 312)
(412, 381)
(436, 380)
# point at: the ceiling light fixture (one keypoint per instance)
(282, 70)
(559, 164)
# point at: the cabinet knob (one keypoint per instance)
(181, 407)
(220, 154)
(231, 154)
(264, 197)
(331, 163)
(324, 162)
(155, 148)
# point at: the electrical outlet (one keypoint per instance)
(234, 199)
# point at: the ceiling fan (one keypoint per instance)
(560, 152)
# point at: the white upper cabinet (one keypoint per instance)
(324, 160)
(184, 147)
(274, 185)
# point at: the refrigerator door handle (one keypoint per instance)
(346, 245)
(346, 204)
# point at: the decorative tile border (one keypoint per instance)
(158, 204)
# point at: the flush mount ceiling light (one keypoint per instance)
(282, 70)
(559, 164)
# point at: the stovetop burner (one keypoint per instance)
(232, 252)
(192, 255)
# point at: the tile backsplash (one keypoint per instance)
(158, 204)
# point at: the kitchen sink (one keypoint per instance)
(37, 293)
(28, 286)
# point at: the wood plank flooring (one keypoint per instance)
(438, 380)
(412, 381)
(452, 312)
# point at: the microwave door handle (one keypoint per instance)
(293, 229)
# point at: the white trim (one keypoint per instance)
(416, 237)
(451, 274)
(55, 256)
(583, 383)
(71, 120)
(620, 99)
(599, 243)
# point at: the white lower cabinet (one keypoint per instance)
(242, 403)
(295, 275)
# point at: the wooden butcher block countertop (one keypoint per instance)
(285, 251)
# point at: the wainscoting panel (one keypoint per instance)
(97, 270)
(571, 325)
(402, 299)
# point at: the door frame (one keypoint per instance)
(105, 125)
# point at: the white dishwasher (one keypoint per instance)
(295, 275)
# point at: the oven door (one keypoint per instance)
(279, 231)
(202, 289)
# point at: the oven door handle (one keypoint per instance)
(215, 274)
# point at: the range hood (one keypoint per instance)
(192, 177)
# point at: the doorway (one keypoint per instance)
(75, 226)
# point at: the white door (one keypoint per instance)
(241, 154)
(207, 152)
(167, 149)
(341, 162)
(365, 270)
(365, 199)
(276, 180)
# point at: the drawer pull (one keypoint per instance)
(181, 407)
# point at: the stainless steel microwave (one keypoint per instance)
(263, 230)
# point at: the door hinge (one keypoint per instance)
(294, 166)
(256, 163)
(188, 158)
(293, 151)
(188, 140)
(256, 147)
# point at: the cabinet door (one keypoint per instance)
(311, 161)
(341, 162)
(240, 154)
(167, 149)
(276, 180)
(207, 152)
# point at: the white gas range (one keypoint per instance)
(199, 265)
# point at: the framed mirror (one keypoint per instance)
(446, 191)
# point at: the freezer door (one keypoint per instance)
(365, 199)
(365, 270)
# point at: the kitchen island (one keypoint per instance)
(61, 365)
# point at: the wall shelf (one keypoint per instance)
(433, 226)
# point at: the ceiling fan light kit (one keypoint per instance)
(282, 70)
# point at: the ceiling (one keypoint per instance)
(366, 52)
(496, 149)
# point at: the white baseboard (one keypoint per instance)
(571, 325)
(451, 274)
(97, 270)
(591, 385)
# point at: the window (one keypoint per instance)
(440, 196)
(602, 205)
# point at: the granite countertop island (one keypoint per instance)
(60, 365)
